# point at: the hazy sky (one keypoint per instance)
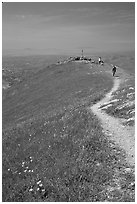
(61, 28)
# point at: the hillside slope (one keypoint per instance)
(54, 87)
(54, 148)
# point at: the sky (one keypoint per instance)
(67, 27)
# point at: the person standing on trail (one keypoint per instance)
(114, 70)
(99, 60)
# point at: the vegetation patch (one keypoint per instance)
(54, 149)
(65, 158)
(122, 104)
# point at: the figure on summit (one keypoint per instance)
(99, 60)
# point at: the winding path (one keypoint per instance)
(122, 135)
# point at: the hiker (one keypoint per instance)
(102, 63)
(114, 70)
(99, 60)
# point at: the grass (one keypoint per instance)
(52, 89)
(126, 61)
(124, 107)
(54, 148)
(18, 68)
(70, 156)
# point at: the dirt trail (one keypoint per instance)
(122, 135)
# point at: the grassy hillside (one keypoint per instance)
(126, 61)
(123, 102)
(18, 68)
(53, 146)
(52, 89)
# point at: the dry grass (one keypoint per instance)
(122, 104)
(54, 148)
